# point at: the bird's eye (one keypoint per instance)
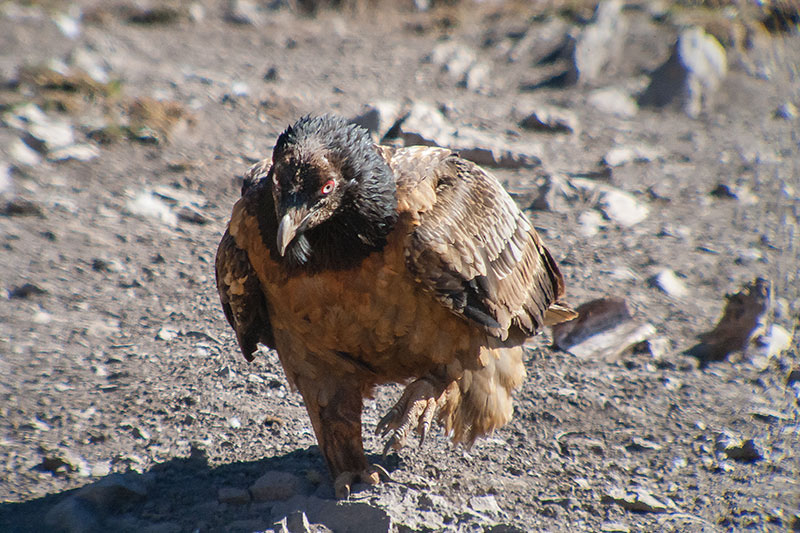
(328, 187)
(275, 178)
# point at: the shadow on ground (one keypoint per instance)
(148, 501)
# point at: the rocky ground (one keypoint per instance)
(667, 183)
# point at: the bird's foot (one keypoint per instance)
(414, 410)
(345, 481)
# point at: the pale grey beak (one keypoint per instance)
(292, 223)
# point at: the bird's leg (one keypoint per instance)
(414, 410)
(334, 407)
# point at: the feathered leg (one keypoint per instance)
(468, 403)
(334, 406)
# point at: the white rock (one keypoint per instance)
(240, 89)
(167, 334)
(613, 102)
(626, 154)
(197, 12)
(78, 152)
(6, 182)
(23, 154)
(617, 205)
(53, 133)
(773, 342)
(69, 25)
(787, 111)
(599, 42)
(147, 205)
(690, 76)
(454, 58)
(670, 284)
(589, 223)
(91, 63)
(623, 208)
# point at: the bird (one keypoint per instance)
(362, 264)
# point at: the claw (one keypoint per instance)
(415, 410)
(343, 483)
(385, 424)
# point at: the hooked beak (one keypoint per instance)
(293, 222)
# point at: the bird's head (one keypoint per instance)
(330, 187)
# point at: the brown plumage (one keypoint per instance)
(362, 264)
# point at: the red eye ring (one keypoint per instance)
(328, 187)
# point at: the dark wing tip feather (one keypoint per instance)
(244, 305)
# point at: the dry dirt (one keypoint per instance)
(117, 359)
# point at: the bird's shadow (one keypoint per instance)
(182, 491)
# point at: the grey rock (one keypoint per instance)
(603, 330)
(551, 119)
(346, 516)
(787, 111)
(379, 118)
(426, 125)
(486, 505)
(461, 64)
(166, 334)
(600, 42)
(613, 102)
(244, 12)
(275, 485)
(741, 193)
(690, 76)
(615, 527)
(553, 195)
(454, 58)
(640, 501)
(478, 77)
(742, 450)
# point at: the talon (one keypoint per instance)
(384, 424)
(414, 411)
(342, 484)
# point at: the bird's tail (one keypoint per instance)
(480, 401)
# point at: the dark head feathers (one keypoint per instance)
(368, 208)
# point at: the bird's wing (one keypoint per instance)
(473, 248)
(240, 291)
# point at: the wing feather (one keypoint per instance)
(240, 292)
(473, 248)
